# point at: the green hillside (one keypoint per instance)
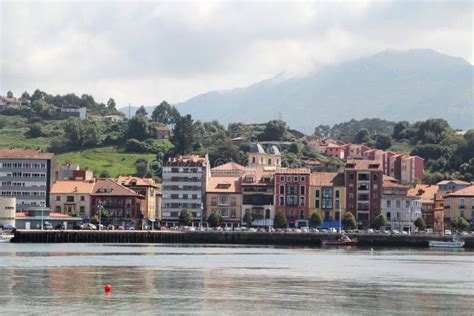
(106, 159)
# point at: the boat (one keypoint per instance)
(454, 243)
(342, 241)
(5, 237)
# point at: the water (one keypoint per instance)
(63, 279)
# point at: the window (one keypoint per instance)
(338, 204)
(214, 201)
(58, 209)
(301, 200)
(282, 200)
(233, 201)
(397, 203)
(407, 204)
(224, 200)
(351, 195)
(375, 177)
(70, 198)
(302, 190)
(389, 203)
(316, 204)
(303, 178)
(269, 161)
(58, 198)
(293, 189)
(253, 160)
(351, 186)
(302, 214)
(327, 216)
(82, 209)
(282, 179)
(83, 198)
(296, 179)
(233, 213)
(282, 189)
(317, 193)
(288, 179)
(351, 176)
(461, 203)
(389, 216)
(327, 203)
(337, 216)
(337, 194)
(376, 187)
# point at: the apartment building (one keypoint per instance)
(327, 195)
(292, 194)
(363, 181)
(26, 174)
(400, 208)
(72, 197)
(257, 195)
(452, 185)
(431, 200)
(184, 186)
(224, 197)
(147, 188)
(459, 204)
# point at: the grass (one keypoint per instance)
(106, 159)
(15, 137)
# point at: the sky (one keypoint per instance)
(146, 52)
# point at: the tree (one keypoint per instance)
(35, 130)
(141, 167)
(293, 148)
(362, 136)
(274, 130)
(420, 223)
(165, 113)
(223, 152)
(25, 96)
(139, 127)
(348, 221)
(141, 111)
(214, 219)
(183, 135)
(459, 223)
(81, 133)
(185, 218)
(9, 94)
(383, 142)
(111, 104)
(315, 219)
(322, 131)
(104, 174)
(248, 219)
(280, 220)
(399, 130)
(379, 221)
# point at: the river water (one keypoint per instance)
(61, 279)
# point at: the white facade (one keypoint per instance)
(7, 210)
(401, 211)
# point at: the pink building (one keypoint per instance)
(336, 151)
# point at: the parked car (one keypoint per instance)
(324, 231)
(78, 226)
(161, 228)
(370, 231)
(121, 227)
(237, 229)
(253, 230)
(271, 230)
(448, 232)
(305, 229)
(395, 232)
(59, 226)
(404, 232)
(47, 226)
(8, 227)
(89, 226)
(464, 233)
(315, 230)
(110, 227)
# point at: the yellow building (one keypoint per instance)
(459, 204)
(72, 196)
(327, 195)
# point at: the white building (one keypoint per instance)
(184, 186)
(26, 174)
(7, 211)
(400, 209)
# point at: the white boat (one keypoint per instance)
(447, 244)
(5, 238)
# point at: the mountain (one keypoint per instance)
(394, 85)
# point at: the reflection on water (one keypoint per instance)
(69, 279)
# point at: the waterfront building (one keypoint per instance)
(147, 188)
(26, 174)
(257, 195)
(122, 204)
(184, 186)
(459, 204)
(7, 210)
(400, 209)
(363, 180)
(158, 201)
(327, 195)
(224, 196)
(72, 197)
(230, 169)
(429, 211)
(36, 217)
(292, 194)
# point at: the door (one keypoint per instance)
(27, 225)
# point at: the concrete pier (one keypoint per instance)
(250, 238)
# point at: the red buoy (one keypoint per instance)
(107, 288)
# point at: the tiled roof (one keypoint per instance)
(228, 166)
(322, 178)
(187, 160)
(258, 173)
(362, 164)
(425, 191)
(108, 187)
(143, 182)
(223, 185)
(453, 181)
(162, 128)
(393, 184)
(17, 153)
(466, 192)
(69, 186)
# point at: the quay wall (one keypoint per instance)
(238, 238)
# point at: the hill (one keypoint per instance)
(393, 85)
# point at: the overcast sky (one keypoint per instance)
(142, 53)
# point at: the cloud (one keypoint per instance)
(144, 52)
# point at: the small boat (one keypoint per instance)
(5, 237)
(454, 243)
(342, 241)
